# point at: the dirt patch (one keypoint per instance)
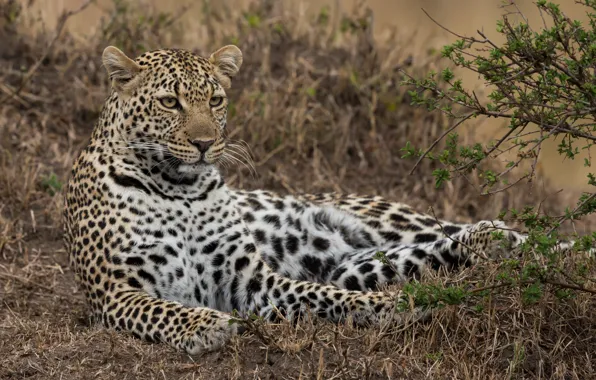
(321, 110)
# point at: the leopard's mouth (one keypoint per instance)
(190, 156)
(179, 165)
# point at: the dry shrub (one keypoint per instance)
(321, 108)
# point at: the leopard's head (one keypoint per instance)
(173, 102)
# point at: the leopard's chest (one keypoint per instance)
(181, 250)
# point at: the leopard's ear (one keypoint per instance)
(227, 62)
(122, 70)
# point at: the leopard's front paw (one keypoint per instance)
(211, 332)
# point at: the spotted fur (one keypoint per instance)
(166, 251)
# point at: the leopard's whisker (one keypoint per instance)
(242, 153)
(246, 163)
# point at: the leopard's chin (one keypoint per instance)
(194, 168)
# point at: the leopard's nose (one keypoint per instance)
(202, 145)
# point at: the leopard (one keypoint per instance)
(163, 249)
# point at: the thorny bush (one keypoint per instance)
(543, 82)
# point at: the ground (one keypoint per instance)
(345, 119)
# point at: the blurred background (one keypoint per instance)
(407, 16)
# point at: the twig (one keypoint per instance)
(439, 139)
(471, 39)
(562, 218)
(490, 287)
(26, 282)
(569, 286)
(546, 281)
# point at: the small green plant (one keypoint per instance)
(9, 13)
(435, 356)
(323, 17)
(51, 184)
(429, 296)
(252, 19)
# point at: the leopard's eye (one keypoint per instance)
(169, 102)
(215, 101)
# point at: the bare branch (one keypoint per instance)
(431, 147)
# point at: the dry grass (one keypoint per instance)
(320, 113)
